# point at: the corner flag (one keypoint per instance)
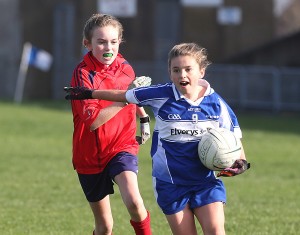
(31, 56)
(40, 59)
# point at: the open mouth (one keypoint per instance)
(184, 83)
(107, 55)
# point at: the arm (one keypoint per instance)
(109, 112)
(243, 155)
(140, 111)
(119, 95)
(144, 125)
(228, 119)
(106, 114)
(83, 93)
(111, 95)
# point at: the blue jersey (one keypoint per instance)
(180, 123)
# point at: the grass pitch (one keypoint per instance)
(40, 193)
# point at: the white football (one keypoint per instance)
(219, 148)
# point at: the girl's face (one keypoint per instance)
(104, 44)
(185, 74)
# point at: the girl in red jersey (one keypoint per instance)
(104, 138)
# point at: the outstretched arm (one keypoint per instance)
(83, 93)
(119, 96)
(106, 114)
(111, 95)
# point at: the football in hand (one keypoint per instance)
(219, 148)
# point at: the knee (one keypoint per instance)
(104, 228)
(215, 230)
(134, 204)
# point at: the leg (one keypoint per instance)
(103, 216)
(97, 188)
(212, 219)
(128, 185)
(183, 222)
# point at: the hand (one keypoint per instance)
(139, 82)
(78, 93)
(238, 167)
(145, 130)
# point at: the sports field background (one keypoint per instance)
(40, 193)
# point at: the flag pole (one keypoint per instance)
(22, 72)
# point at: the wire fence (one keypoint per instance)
(268, 88)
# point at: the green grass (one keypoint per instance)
(40, 193)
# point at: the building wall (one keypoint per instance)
(57, 28)
(283, 52)
(11, 45)
(289, 21)
(159, 24)
(138, 32)
(223, 41)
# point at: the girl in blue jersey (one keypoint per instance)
(183, 109)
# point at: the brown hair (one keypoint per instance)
(101, 20)
(190, 49)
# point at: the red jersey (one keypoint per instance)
(92, 150)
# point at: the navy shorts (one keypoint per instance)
(173, 198)
(98, 186)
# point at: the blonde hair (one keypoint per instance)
(189, 49)
(101, 20)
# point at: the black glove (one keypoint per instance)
(238, 167)
(78, 93)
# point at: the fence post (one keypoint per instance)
(276, 90)
(243, 87)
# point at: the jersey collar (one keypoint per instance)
(202, 82)
(96, 65)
